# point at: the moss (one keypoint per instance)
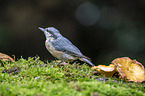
(34, 77)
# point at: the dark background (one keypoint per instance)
(102, 29)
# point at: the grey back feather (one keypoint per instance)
(63, 44)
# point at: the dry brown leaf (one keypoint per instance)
(4, 57)
(105, 70)
(130, 69)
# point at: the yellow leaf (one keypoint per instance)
(4, 57)
(130, 69)
(105, 70)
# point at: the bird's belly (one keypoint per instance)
(51, 49)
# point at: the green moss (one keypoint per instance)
(33, 77)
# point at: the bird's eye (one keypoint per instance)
(47, 30)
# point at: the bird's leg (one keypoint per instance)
(61, 63)
(58, 61)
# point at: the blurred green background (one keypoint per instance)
(102, 30)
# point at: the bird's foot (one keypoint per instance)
(61, 63)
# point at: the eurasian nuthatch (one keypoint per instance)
(62, 48)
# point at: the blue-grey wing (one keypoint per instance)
(63, 44)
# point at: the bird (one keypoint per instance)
(61, 48)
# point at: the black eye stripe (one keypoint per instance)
(49, 31)
(52, 34)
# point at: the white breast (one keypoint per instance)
(50, 48)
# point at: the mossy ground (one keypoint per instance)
(33, 77)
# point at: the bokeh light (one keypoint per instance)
(87, 14)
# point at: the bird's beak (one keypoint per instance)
(42, 29)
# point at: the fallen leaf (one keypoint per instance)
(132, 70)
(4, 57)
(107, 71)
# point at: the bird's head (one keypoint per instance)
(50, 32)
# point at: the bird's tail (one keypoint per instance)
(87, 61)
